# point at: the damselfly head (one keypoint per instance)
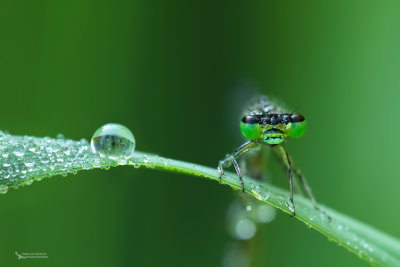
(273, 129)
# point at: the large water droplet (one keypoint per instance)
(113, 140)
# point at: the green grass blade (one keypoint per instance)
(24, 159)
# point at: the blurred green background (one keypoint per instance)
(177, 73)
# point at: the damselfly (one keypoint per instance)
(265, 123)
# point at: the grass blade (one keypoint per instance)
(24, 159)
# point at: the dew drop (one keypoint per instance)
(19, 150)
(3, 189)
(29, 161)
(113, 140)
(261, 192)
(289, 204)
(45, 159)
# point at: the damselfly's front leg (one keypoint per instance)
(284, 158)
(286, 162)
(232, 159)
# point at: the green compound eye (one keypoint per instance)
(297, 126)
(249, 127)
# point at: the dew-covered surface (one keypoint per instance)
(368, 243)
(24, 159)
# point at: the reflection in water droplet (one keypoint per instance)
(113, 140)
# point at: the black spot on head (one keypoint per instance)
(286, 119)
(275, 119)
(265, 120)
(250, 119)
(297, 118)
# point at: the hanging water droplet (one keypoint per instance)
(3, 189)
(113, 140)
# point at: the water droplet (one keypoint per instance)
(261, 192)
(166, 162)
(3, 189)
(145, 159)
(66, 150)
(29, 161)
(19, 150)
(113, 140)
(45, 159)
(289, 204)
(80, 156)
